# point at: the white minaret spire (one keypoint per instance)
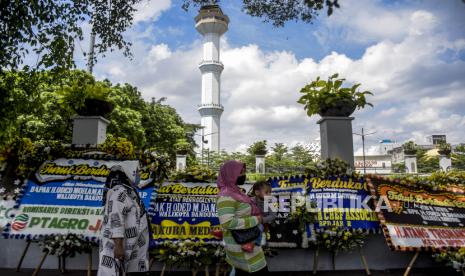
(211, 23)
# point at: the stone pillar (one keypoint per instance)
(445, 162)
(336, 138)
(89, 130)
(181, 162)
(410, 163)
(260, 164)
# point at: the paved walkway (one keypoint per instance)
(415, 272)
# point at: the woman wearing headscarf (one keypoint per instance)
(237, 211)
(124, 234)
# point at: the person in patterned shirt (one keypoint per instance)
(124, 234)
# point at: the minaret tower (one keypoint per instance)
(211, 23)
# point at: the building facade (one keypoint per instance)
(376, 164)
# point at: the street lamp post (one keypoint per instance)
(363, 147)
(202, 142)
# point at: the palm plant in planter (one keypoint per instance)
(182, 147)
(258, 148)
(87, 96)
(410, 148)
(444, 148)
(329, 98)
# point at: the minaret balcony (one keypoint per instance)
(211, 66)
(211, 19)
(210, 109)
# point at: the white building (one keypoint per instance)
(211, 23)
(431, 142)
(385, 146)
(376, 164)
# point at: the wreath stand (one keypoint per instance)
(218, 269)
(61, 261)
(333, 261)
(18, 267)
(62, 264)
(221, 267)
(37, 270)
(151, 261)
(89, 264)
(409, 267)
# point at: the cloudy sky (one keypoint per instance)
(410, 54)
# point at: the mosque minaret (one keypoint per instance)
(212, 24)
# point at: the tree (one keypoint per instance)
(302, 155)
(280, 161)
(216, 159)
(31, 108)
(278, 12)
(458, 157)
(279, 151)
(41, 109)
(398, 168)
(50, 28)
(277, 160)
(425, 163)
(258, 148)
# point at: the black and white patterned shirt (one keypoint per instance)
(122, 219)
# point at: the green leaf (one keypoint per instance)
(355, 86)
(321, 83)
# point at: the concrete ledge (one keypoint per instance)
(333, 118)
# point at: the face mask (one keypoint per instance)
(241, 180)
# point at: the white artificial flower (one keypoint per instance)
(17, 182)
(2, 190)
(456, 265)
(17, 190)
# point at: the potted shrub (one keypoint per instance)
(330, 98)
(410, 148)
(86, 96)
(182, 147)
(96, 101)
(444, 148)
(258, 148)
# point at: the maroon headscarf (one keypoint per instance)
(229, 172)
